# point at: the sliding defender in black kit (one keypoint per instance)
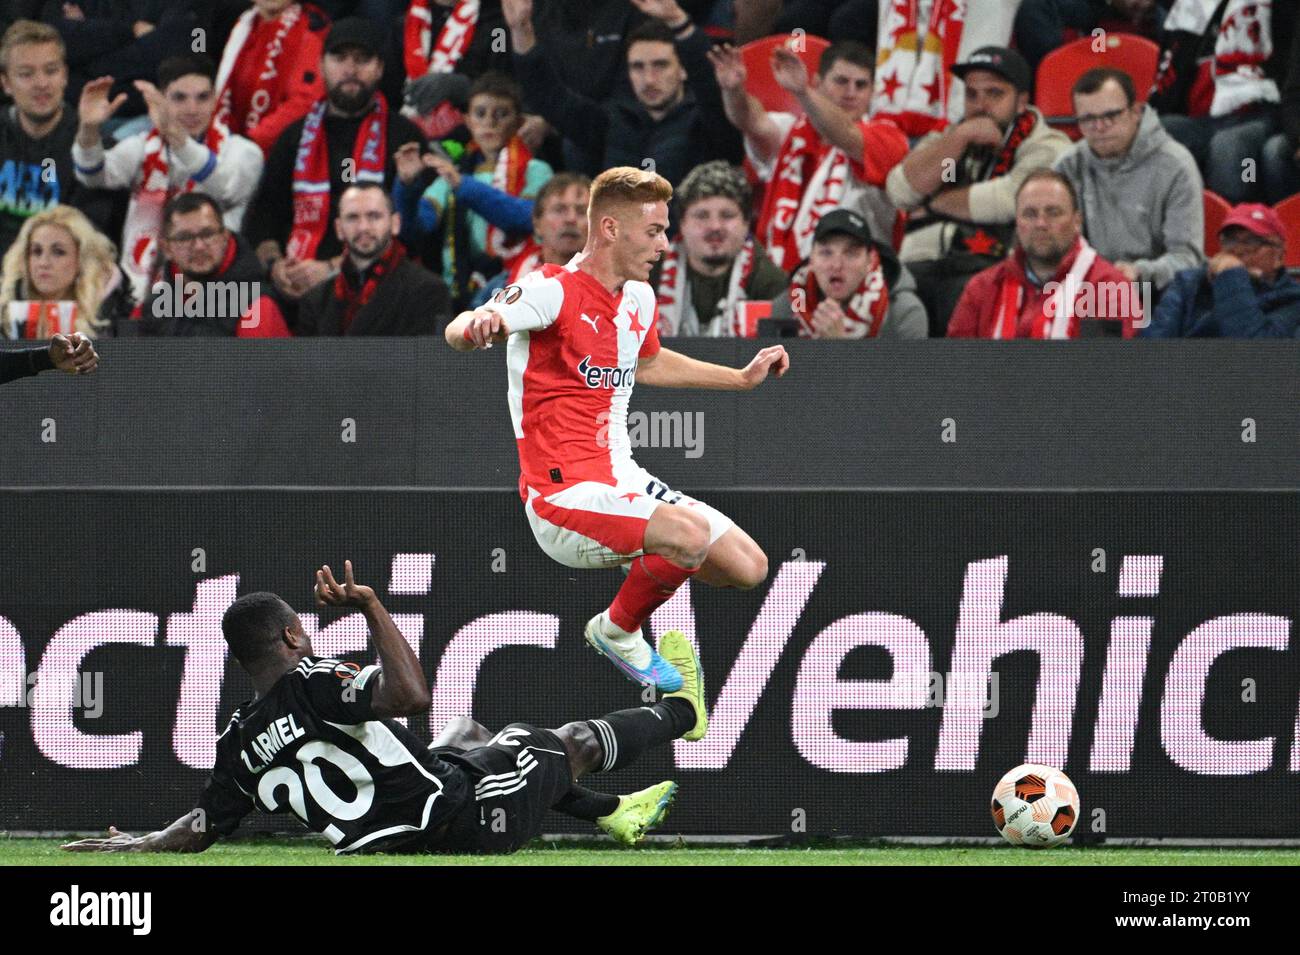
(319, 740)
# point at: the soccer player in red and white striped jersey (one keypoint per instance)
(578, 336)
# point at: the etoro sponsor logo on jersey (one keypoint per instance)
(606, 376)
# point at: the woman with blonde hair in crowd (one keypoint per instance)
(61, 276)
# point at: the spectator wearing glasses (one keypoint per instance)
(1139, 190)
(1243, 292)
(209, 280)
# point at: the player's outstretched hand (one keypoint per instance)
(774, 359)
(485, 327)
(116, 842)
(73, 354)
(329, 592)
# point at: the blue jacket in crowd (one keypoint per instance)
(1233, 305)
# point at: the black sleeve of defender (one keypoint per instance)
(222, 803)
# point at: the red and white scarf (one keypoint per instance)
(453, 40)
(524, 261)
(1056, 319)
(920, 40)
(144, 210)
(1243, 45)
(865, 310)
(293, 25)
(311, 172)
(355, 298)
(508, 176)
(27, 319)
(677, 314)
(809, 179)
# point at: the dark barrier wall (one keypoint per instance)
(1125, 415)
(1143, 641)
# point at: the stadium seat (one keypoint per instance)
(757, 56)
(1137, 56)
(1216, 210)
(1289, 211)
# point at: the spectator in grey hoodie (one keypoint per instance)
(1140, 191)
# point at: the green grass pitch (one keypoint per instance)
(307, 852)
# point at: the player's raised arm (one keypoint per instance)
(670, 369)
(186, 834)
(530, 305)
(400, 688)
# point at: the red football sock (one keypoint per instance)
(651, 581)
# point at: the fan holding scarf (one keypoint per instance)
(851, 287)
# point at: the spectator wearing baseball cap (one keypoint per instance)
(960, 185)
(851, 286)
(1243, 292)
(349, 136)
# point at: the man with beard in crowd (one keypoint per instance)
(378, 290)
(348, 137)
(716, 263)
(559, 231)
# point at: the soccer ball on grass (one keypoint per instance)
(1035, 806)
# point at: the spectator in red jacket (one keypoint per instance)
(1054, 285)
(270, 69)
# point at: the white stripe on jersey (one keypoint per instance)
(380, 742)
(525, 758)
(372, 836)
(516, 363)
(317, 666)
(609, 743)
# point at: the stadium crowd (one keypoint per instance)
(842, 168)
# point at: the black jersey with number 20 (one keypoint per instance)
(313, 747)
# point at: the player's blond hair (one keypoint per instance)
(28, 33)
(626, 185)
